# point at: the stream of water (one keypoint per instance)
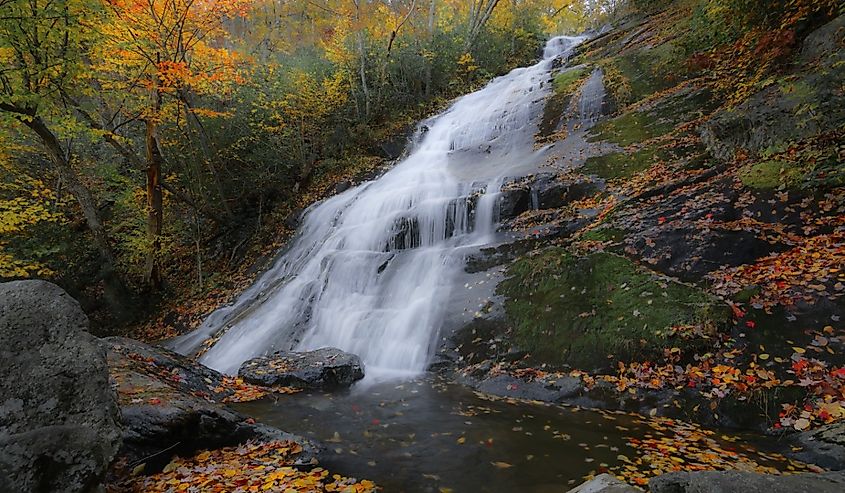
(427, 435)
(379, 269)
(372, 269)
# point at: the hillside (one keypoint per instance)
(702, 275)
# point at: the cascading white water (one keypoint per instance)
(371, 269)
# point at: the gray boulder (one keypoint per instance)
(172, 405)
(824, 446)
(324, 368)
(604, 483)
(59, 420)
(747, 482)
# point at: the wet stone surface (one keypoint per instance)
(324, 368)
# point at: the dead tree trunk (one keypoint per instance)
(155, 206)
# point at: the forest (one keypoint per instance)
(147, 146)
(422, 246)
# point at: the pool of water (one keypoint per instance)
(429, 435)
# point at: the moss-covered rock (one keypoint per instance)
(568, 81)
(580, 310)
(622, 164)
(604, 234)
(769, 174)
(630, 128)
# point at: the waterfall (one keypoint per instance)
(371, 269)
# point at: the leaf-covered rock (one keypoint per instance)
(322, 368)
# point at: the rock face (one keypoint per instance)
(171, 406)
(604, 483)
(778, 113)
(541, 191)
(59, 420)
(747, 482)
(324, 368)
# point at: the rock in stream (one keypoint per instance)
(324, 368)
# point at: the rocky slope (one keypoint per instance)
(699, 276)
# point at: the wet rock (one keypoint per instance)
(294, 219)
(514, 354)
(824, 446)
(342, 186)
(542, 191)
(604, 483)
(59, 421)
(553, 192)
(670, 238)
(509, 386)
(747, 482)
(324, 368)
(441, 362)
(171, 406)
(513, 202)
(406, 234)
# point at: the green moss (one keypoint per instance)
(636, 75)
(770, 174)
(621, 164)
(579, 310)
(630, 128)
(568, 81)
(565, 85)
(604, 234)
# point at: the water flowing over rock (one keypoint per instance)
(324, 368)
(59, 421)
(372, 268)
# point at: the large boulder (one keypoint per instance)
(824, 446)
(324, 368)
(747, 482)
(172, 405)
(59, 420)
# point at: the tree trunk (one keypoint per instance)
(155, 209)
(478, 16)
(432, 12)
(205, 145)
(79, 191)
(362, 69)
